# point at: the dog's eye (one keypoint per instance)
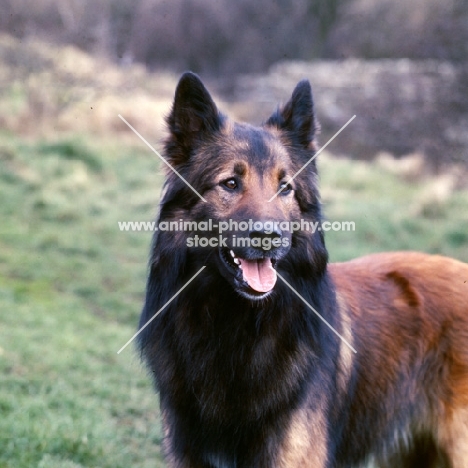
(231, 184)
(285, 188)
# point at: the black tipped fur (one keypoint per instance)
(297, 118)
(193, 118)
(205, 347)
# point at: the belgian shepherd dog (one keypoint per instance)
(264, 354)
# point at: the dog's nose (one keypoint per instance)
(272, 234)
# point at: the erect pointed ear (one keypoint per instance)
(194, 116)
(297, 117)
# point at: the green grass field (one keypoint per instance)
(71, 286)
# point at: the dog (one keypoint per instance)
(264, 354)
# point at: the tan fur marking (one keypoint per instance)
(346, 356)
(306, 441)
(276, 147)
(228, 127)
(454, 438)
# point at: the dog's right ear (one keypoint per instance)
(193, 118)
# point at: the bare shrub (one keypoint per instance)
(419, 29)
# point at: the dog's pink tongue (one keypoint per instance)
(259, 274)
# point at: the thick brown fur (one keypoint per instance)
(257, 380)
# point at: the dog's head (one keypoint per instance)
(249, 182)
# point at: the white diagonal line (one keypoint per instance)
(160, 157)
(314, 156)
(162, 308)
(318, 315)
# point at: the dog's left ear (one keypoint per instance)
(297, 117)
(194, 117)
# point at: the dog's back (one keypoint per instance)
(408, 314)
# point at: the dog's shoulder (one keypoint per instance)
(389, 292)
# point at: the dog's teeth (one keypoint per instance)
(236, 261)
(233, 255)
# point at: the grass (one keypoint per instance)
(392, 213)
(71, 287)
(46, 88)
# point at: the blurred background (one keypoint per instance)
(401, 67)
(72, 283)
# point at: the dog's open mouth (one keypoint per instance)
(258, 275)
